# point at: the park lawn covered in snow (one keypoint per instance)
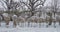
(43, 28)
(19, 29)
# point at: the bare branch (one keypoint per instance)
(3, 4)
(37, 5)
(36, 1)
(41, 3)
(25, 4)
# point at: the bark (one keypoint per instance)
(50, 21)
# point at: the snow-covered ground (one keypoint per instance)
(33, 27)
(19, 29)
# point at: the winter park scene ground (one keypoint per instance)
(29, 15)
(32, 28)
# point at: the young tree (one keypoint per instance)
(54, 6)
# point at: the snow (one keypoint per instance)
(34, 28)
(30, 30)
(5, 14)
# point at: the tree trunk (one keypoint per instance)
(14, 23)
(0, 23)
(50, 21)
(7, 22)
(59, 22)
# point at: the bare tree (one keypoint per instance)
(33, 4)
(11, 5)
(54, 6)
(53, 9)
